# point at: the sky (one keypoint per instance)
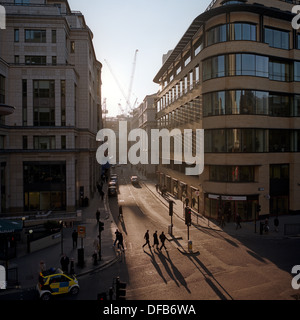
(153, 27)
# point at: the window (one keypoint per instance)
(16, 35)
(44, 102)
(2, 142)
(53, 34)
(217, 34)
(235, 141)
(280, 70)
(198, 47)
(232, 173)
(280, 105)
(280, 141)
(24, 101)
(44, 143)
(64, 142)
(236, 65)
(297, 71)
(63, 102)
(35, 36)
(25, 142)
(22, 2)
(2, 89)
(243, 31)
(35, 60)
(72, 46)
(277, 38)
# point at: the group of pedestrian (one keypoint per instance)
(162, 238)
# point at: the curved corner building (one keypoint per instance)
(236, 74)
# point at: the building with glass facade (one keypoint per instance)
(50, 74)
(236, 74)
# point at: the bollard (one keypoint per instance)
(190, 246)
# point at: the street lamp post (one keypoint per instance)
(61, 236)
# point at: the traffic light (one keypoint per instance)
(120, 290)
(188, 216)
(102, 296)
(101, 226)
(258, 208)
(171, 208)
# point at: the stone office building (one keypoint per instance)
(236, 74)
(50, 74)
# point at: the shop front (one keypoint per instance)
(10, 232)
(231, 206)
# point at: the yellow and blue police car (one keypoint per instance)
(54, 282)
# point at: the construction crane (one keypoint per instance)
(128, 96)
(131, 80)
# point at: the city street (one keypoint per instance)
(225, 268)
(221, 267)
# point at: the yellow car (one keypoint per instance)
(54, 282)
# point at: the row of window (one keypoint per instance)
(251, 102)
(36, 60)
(248, 32)
(244, 64)
(232, 31)
(233, 174)
(39, 36)
(44, 102)
(251, 140)
(187, 113)
(180, 88)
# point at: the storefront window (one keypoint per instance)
(44, 186)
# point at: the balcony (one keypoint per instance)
(6, 110)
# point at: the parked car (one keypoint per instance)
(54, 282)
(134, 180)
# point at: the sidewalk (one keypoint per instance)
(29, 264)
(199, 221)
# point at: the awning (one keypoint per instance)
(10, 226)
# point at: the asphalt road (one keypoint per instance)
(225, 268)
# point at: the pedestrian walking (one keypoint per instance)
(238, 222)
(94, 257)
(266, 226)
(146, 237)
(117, 236)
(222, 220)
(74, 237)
(64, 262)
(155, 240)
(120, 213)
(187, 201)
(42, 266)
(120, 240)
(102, 194)
(162, 238)
(72, 269)
(98, 215)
